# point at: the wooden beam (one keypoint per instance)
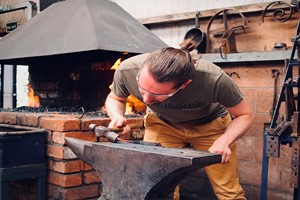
(259, 7)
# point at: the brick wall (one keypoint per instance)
(67, 176)
(257, 84)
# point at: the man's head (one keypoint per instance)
(164, 73)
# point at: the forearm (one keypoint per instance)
(237, 128)
(244, 117)
(114, 108)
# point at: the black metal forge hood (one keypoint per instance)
(74, 26)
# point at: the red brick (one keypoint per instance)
(274, 177)
(2, 117)
(49, 136)
(29, 119)
(99, 121)
(258, 149)
(249, 95)
(83, 192)
(86, 167)
(264, 100)
(285, 179)
(67, 166)
(250, 173)
(91, 177)
(60, 123)
(278, 195)
(59, 137)
(255, 76)
(60, 152)
(55, 151)
(65, 180)
(134, 123)
(8, 117)
(50, 164)
(257, 128)
(245, 148)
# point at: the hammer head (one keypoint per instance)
(102, 131)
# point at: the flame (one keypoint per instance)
(33, 101)
(133, 104)
(116, 65)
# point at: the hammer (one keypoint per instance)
(109, 133)
(112, 135)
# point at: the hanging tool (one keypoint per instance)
(228, 43)
(275, 75)
(282, 11)
(197, 35)
(228, 33)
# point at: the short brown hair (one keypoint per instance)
(170, 65)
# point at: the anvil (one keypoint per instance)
(136, 172)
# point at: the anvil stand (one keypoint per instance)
(287, 131)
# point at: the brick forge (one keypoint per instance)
(67, 176)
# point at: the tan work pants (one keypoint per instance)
(224, 178)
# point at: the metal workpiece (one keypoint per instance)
(134, 171)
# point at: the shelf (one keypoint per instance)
(264, 56)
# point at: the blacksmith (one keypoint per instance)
(190, 103)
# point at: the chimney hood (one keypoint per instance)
(78, 26)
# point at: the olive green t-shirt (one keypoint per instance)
(203, 100)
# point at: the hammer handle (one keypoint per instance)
(115, 129)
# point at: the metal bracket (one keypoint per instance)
(295, 162)
(273, 146)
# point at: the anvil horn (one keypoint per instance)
(78, 147)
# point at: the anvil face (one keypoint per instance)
(134, 171)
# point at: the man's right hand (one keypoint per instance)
(120, 122)
(115, 107)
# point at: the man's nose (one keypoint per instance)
(147, 98)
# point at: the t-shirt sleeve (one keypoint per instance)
(118, 86)
(227, 92)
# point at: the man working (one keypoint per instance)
(189, 104)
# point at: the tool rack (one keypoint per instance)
(287, 129)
